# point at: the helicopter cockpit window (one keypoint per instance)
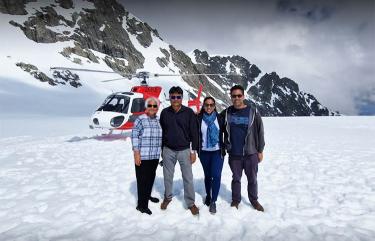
(116, 103)
(138, 105)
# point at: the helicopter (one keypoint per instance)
(120, 109)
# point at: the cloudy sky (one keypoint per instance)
(327, 47)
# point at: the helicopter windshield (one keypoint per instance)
(115, 103)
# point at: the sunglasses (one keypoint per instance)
(236, 96)
(175, 97)
(152, 106)
(209, 105)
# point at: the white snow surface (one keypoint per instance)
(58, 182)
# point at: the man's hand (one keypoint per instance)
(137, 158)
(193, 157)
(260, 156)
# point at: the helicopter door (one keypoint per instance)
(137, 108)
(138, 105)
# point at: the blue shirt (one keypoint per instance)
(239, 122)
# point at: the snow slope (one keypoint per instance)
(317, 182)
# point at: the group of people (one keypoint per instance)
(180, 135)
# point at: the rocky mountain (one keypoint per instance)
(273, 96)
(103, 35)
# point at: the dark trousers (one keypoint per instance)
(145, 174)
(212, 166)
(250, 165)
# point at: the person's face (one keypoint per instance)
(175, 99)
(237, 98)
(152, 108)
(209, 106)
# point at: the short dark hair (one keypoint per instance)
(237, 87)
(176, 90)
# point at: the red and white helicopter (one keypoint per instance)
(119, 110)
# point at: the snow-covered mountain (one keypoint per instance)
(103, 35)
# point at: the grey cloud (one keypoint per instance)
(312, 10)
(326, 46)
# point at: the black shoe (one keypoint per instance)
(213, 208)
(234, 204)
(144, 210)
(207, 201)
(154, 199)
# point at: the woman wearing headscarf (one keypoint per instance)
(146, 141)
(211, 150)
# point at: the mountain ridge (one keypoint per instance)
(104, 34)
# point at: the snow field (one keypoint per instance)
(316, 183)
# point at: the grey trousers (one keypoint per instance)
(250, 165)
(170, 158)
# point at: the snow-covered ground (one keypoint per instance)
(317, 182)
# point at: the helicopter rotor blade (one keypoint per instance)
(211, 74)
(109, 80)
(83, 70)
(203, 74)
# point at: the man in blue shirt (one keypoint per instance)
(244, 141)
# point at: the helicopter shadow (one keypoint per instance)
(178, 190)
(102, 137)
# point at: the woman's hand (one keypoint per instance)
(137, 158)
